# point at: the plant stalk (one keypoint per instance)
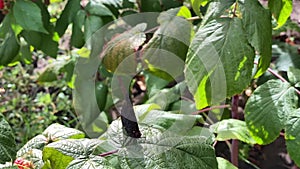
(211, 108)
(108, 153)
(235, 143)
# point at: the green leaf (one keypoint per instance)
(119, 53)
(154, 83)
(115, 3)
(7, 142)
(97, 8)
(35, 156)
(281, 10)
(101, 90)
(159, 150)
(168, 46)
(41, 41)
(49, 75)
(59, 154)
(66, 17)
(53, 69)
(91, 25)
(259, 31)
(215, 9)
(196, 5)
(178, 123)
(267, 110)
(292, 135)
(165, 97)
(294, 75)
(92, 162)
(232, 129)
(9, 49)
(150, 6)
(29, 16)
(224, 164)
(287, 56)
(168, 4)
(37, 142)
(57, 132)
(219, 62)
(77, 37)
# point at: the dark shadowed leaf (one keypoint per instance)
(257, 23)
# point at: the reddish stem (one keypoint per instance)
(279, 77)
(235, 143)
(108, 153)
(211, 108)
(47, 2)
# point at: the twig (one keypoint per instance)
(47, 2)
(235, 142)
(234, 9)
(279, 77)
(211, 108)
(193, 18)
(152, 29)
(108, 153)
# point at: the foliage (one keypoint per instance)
(227, 52)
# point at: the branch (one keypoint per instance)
(235, 142)
(108, 153)
(279, 77)
(211, 108)
(193, 18)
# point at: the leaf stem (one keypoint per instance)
(211, 108)
(108, 153)
(152, 30)
(234, 9)
(193, 18)
(235, 143)
(279, 77)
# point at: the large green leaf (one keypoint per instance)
(281, 10)
(232, 129)
(168, 46)
(67, 16)
(37, 142)
(219, 62)
(93, 162)
(292, 135)
(224, 164)
(44, 42)
(57, 132)
(29, 16)
(159, 150)
(59, 154)
(7, 142)
(267, 110)
(215, 9)
(97, 8)
(257, 23)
